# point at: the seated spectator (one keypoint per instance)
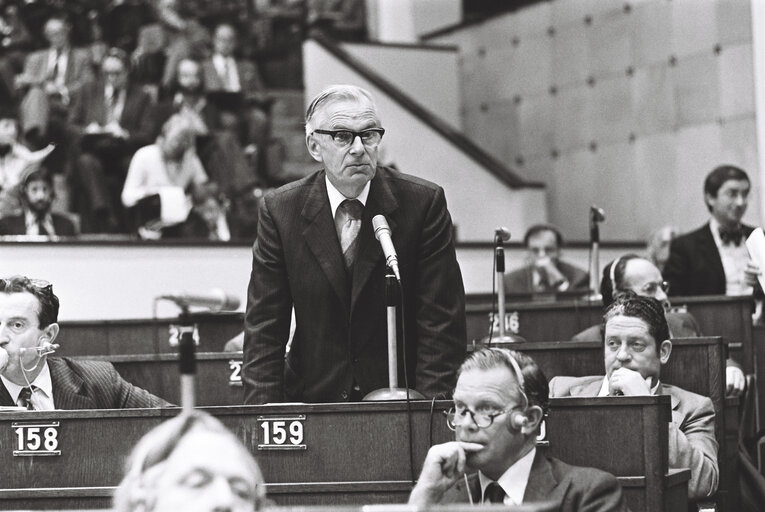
(500, 401)
(191, 462)
(657, 249)
(49, 80)
(545, 272)
(631, 273)
(170, 167)
(237, 85)
(636, 346)
(16, 162)
(31, 379)
(37, 217)
(207, 218)
(114, 119)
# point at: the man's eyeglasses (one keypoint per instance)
(651, 288)
(342, 138)
(483, 419)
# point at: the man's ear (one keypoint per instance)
(665, 349)
(50, 333)
(534, 417)
(313, 148)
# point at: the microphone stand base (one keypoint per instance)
(385, 394)
(497, 340)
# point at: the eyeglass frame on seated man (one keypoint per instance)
(361, 135)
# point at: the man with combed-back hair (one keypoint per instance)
(316, 251)
(499, 402)
(636, 345)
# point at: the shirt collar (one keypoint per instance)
(42, 382)
(604, 387)
(514, 480)
(335, 197)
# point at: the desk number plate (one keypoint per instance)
(235, 377)
(282, 432)
(36, 439)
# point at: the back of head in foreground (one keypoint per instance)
(191, 463)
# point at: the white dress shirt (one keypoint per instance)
(514, 480)
(734, 259)
(228, 72)
(335, 197)
(42, 398)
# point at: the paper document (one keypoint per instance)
(755, 244)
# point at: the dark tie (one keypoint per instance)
(731, 236)
(41, 228)
(111, 105)
(25, 399)
(348, 224)
(494, 493)
(54, 70)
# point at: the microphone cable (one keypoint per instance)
(406, 383)
(493, 313)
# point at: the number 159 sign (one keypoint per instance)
(281, 432)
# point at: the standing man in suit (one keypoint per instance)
(636, 345)
(633, 273)
(545, 273)
(37, 218)
(114, 118)
(713, 260)
(315, 252)
(499, 403)
(31, 379)
(49, 80)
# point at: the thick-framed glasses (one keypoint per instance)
(652, 288)
(457, 416)
(370, 138)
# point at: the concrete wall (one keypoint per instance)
(626, 105)
(477, 200)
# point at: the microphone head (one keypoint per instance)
(598, 214)
(380, 225)
(502, 233)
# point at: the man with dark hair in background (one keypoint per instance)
(500, 401)
(31, 379)
(315, 251)
(545, 272)
(37, 218)
(713, 260)
(636, 346)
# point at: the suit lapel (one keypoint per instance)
(68, 387)
(708, 251)
(673, 399)
(69, 74)
(5, 396)
(321, 237)
(542, 483)
(587, 389)
(380, 201)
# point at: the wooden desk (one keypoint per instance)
(354, 453)
(118, 337)
(717, 315)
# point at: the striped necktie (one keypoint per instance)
(494, 493)
(25, 399)
(348, 224)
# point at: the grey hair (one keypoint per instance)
(335, 93)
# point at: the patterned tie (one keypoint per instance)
(25, 399)
(348, 224)
(494, 493)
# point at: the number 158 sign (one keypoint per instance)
(35, 439)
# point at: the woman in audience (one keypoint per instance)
(191, 463)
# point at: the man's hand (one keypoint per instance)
(629, 383)
(735, 382)
(443, 466)
(751, 273)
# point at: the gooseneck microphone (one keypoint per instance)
(215, 300)
(502, 234)
(383, 235)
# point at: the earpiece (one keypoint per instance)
(518, 420)
(44, 349)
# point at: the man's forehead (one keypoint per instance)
(339, 111)
(484, 384)
(18, 304)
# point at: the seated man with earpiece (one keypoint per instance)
(31, 379)
(499, 402)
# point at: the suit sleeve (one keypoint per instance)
(440, 304)
(602, 492)
(111, 391)
(676, 267)
(693, 445)
(267, 319)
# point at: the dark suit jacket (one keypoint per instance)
(78, 68)
(341, 322)
(16, 225)
(521, 281)
(692, 442)
(80, 384)
(249, 78)
(572, 488)
(138, 114)
(694, 266)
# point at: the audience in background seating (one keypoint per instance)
(36, 217)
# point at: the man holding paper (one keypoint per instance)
(713, 260)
